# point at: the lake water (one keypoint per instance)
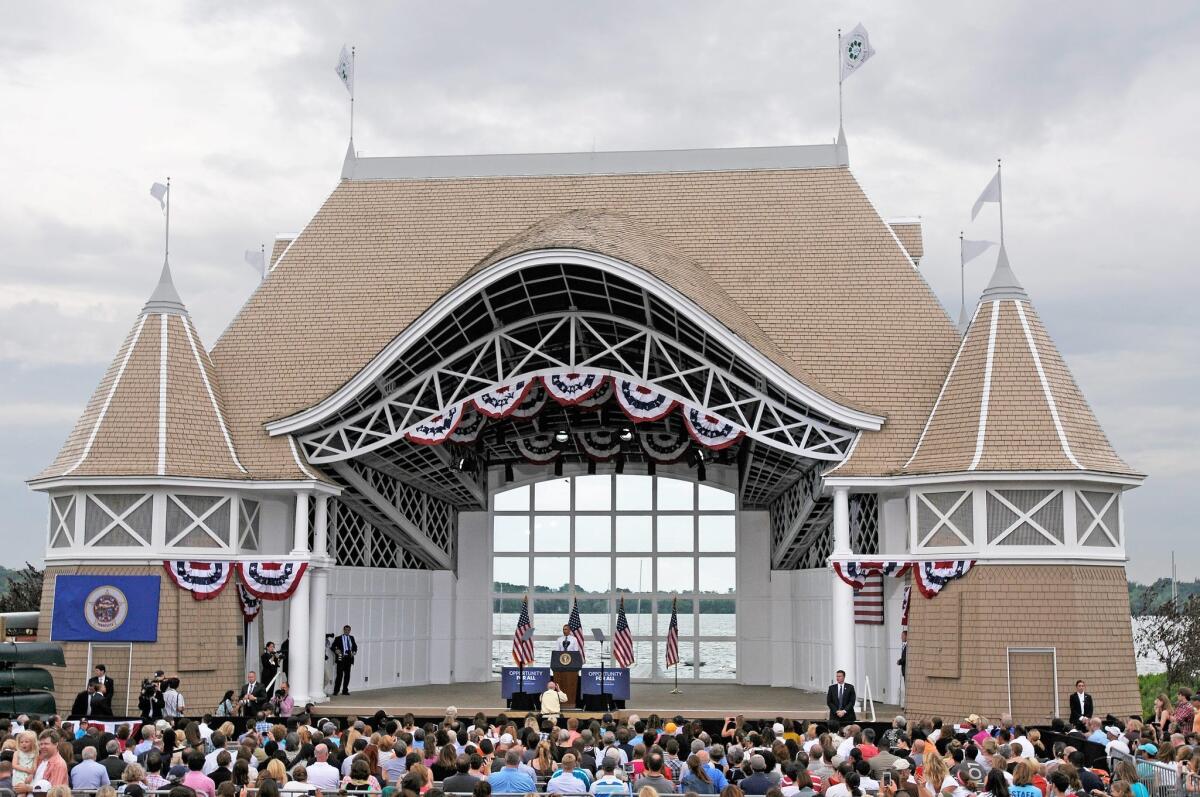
(718, 658)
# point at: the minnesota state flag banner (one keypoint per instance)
(105, 609)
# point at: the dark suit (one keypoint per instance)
(255, 691)
(109, 688)
(903, 660)
(114, 765)
(1077, 711)
(844, 703)
(343, 648)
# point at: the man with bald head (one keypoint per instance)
(321, 774)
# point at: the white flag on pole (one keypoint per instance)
(990, 194)
(159, 192)
(973, 249)
(345, 69)
(856, 49)
(255, 258)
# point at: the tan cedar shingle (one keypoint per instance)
(909, 233)
(1019, 432)
(126, 441)
(802, 252)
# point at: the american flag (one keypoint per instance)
(673, 637)
(622, 643)
(868, 601)
(523, 651)
(576, 627)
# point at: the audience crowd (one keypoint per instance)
(626, 755)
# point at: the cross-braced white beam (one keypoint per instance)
(573, 340)
(428, 549)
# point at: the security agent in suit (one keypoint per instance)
(104, 684)
(343, 647)
(840, 699)
(251, 696)
(1082, 706)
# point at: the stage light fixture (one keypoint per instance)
(459, 463)
(562, 436)
(625, 434)
(558, 466)
(508, 472)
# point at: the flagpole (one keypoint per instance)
(262, 248)
(839, 66)
(352, 77)
(1000, 200)
(962, 279)
(167, 234)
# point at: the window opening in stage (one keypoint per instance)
(600, 538)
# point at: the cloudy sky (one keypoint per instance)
(1092, 106)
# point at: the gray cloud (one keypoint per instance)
(1091, 106)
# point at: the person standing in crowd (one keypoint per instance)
(104, 685)
(88, 773)
(552, 700)
(270, 665)
(174, 705)
(1184, 716)
(840, 699)
(343, 648)
(1082, 706)
(252, 695)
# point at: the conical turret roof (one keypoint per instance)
(1009, 402)
(158, 410)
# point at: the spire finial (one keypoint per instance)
(1004, 283)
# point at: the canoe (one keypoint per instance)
(22, 679)
(40, 703)
(32, 653)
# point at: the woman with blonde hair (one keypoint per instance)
(934, 776)
(1035, 737)
(131, 774)
(276, 771)
(543, 762)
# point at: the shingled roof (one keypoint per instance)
(796, 248)
(158, 411)
(1009, 402)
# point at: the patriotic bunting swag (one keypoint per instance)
(573, 388)
(709, 430)
(469, 426)
(534, 400)
(665, 447)
(931, 577)
(904, 606)
(601, 445)
(271, 581)
(204, 580)
(251, 605)
(601, 396)
(642, 403)
(437, 429)
(538, 448)
(501, 401)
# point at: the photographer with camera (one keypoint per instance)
(150, 698)
(271, 660)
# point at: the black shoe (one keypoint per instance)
(345, 692)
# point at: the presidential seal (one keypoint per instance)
(105, 608)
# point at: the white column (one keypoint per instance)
(319, 600)
(843, 594)
(298, 611)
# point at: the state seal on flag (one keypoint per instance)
(105, 608)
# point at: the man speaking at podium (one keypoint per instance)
(568, 641)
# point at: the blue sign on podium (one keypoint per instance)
(536, 679)
(616, 682)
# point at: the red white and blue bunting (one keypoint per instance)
(855, 573)
(665, 448)
(709, 430)
(434, 431)
(538, 448)
(600, 397)
(600, 445)
(642, 403)
(204, 580)
(533, 402)
(271, 581)
(469, 426)
(569, 389)
(501, 401)
(251, 605)
(932, 577)
(904, 606)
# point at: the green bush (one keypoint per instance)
(1151, 686)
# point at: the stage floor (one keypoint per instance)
(697, 700)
